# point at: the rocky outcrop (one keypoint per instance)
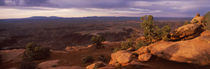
(120, 58)
(196, 51)
(77, 48)
(198, 19)
(96, 65)
(186, 32)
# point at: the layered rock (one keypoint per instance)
(195, 51)
(186, 32)
(198, 19)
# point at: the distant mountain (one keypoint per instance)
(55, 19)
(44, 17)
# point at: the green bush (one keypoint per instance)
(127, 44)
(87, 59)
(97, 40)
(165, 32)
(141, 43)
(35, 52)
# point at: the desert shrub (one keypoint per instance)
(127, 44)
(35, 52)
(27, 65)
(141, 43)
(87, 59)
(97, 40)
(165, 32)
(116, 49)
(207, 20)
(103, 58)
(153, 33)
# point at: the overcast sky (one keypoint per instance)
(83, 8)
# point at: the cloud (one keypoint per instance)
(169, 8)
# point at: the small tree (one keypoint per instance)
(153, 33)
(148, 26)
(35, 52)
(97, 40)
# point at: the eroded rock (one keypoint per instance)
(120, 57)
(195, 51)
(186, 32)
(144, 57)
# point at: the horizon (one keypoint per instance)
(11, 9)
(89, 17)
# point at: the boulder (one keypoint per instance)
(48, 64)
(144, 57)
(142, 50)
(96, 65)
(186, 32)
(196, 51)
(120, 57)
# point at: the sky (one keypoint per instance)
(84, 8)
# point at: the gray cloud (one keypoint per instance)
(133, 7)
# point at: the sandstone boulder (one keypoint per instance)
(195, 51)
(186, 32)
(144, 57)
(120, 57)
(142, 50)
(96, 65)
